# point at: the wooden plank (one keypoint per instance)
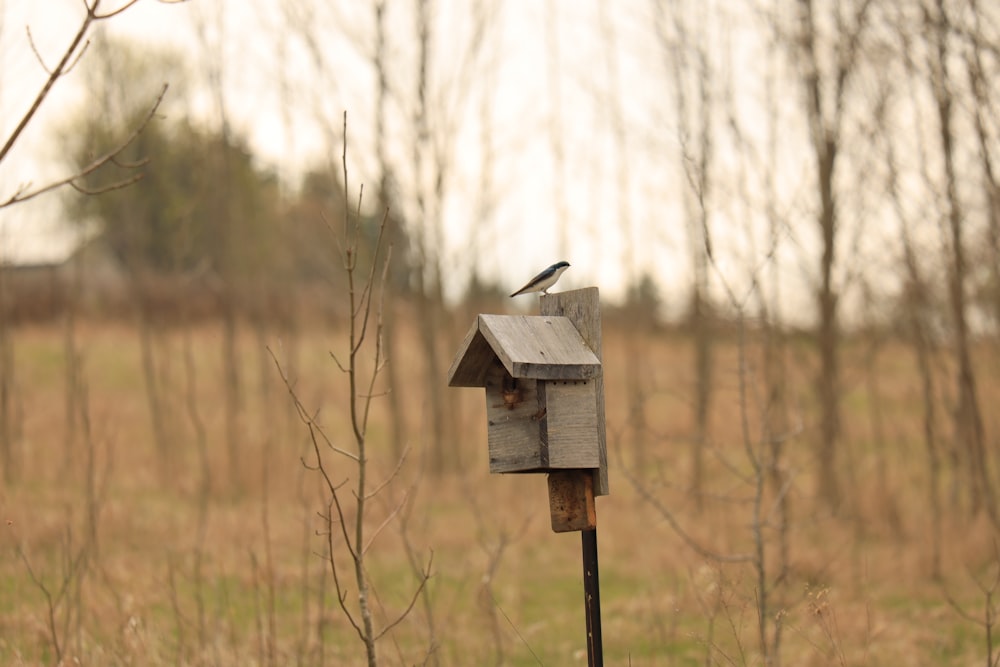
(529, 346)
(571, 501)
(539, 347)
(472, 361)
(583, 308)
(570, 427)
(512, 423)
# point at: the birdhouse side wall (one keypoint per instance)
(512, 418)
(571, 426)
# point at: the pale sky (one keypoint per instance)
(290, 109)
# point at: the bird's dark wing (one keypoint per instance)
(547, 273)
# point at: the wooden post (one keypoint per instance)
(571, 501)
(571, 493)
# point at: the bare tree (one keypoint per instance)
(767, 551)
(70, 56)
(777, 423)
(209, 30)
(978, 61)
(343, 523)
(440, 93)
(916, 299)
(488, 195)
(116, 63)
(826, 69)
(968, 419)
(620, 159)
(422, 77)
(683, 41)
(387, 192)
(427, 255)
(9, 421)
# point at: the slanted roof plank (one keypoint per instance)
(528, 346)
(540, 347)
(472, 361)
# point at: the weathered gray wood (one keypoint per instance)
(512, 425)
(544, 348)
(570, 424)
(543, 383)
(473, 360)
(529, 346)
(583, 308)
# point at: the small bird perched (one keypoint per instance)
(544, 280)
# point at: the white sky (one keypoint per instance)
(290, 109)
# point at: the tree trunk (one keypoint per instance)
(701, 329)
(8, 455)
(828, 335)
(969, 433)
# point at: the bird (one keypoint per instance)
(544, 280)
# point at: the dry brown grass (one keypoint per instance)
(859, 589)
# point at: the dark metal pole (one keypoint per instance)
(592, 598)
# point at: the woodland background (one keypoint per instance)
(225, 431)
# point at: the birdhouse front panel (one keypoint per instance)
(569, 429)
(513, 419)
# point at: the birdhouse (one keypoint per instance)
(544, 392)
(545, 413)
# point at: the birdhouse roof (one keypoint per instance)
(529, 346)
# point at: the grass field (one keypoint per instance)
(116, 552)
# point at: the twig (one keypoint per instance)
(306, 418)
(53, 601)
(60, 70)
(23, 194)
(516, 631)
(672, 520)
(426, 575)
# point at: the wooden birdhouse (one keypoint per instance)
(544, 387)
(544, 391)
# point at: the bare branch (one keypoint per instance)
(115, 12)
(306, 418)
(385, 522)
(340, 366)
(23, 194)
(426, 575)
(701, 550)
(69, 58)
(53, 601)
(141, 162)
(117, 185)
(341, 593)
(393, 475)
(34, 49)
(352, 548)
(369, 289)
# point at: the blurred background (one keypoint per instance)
(792, 210)
(503, 136)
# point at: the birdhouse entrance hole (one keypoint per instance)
(539, 425)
